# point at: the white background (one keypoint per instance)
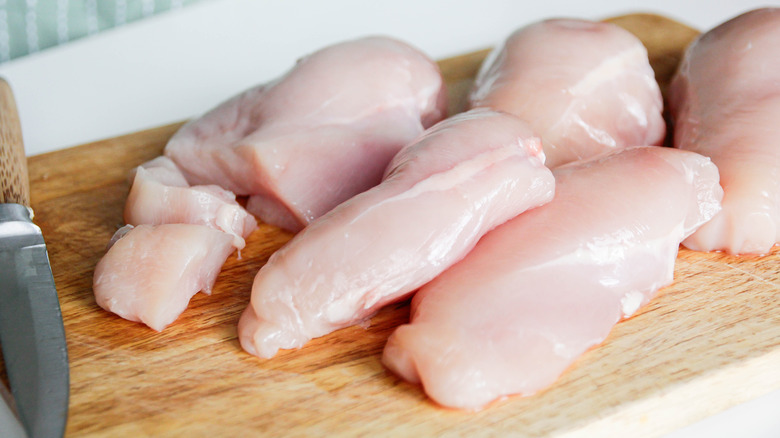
(177, 65)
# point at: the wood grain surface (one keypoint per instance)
(14, 184)
(708, 341)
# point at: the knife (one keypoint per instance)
(31, 330)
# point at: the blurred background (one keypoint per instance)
(84, 70)
(29, 26)
(88, 70)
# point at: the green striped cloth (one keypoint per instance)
(27, 26)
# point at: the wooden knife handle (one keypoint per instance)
(14, 181)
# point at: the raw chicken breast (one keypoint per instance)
(150, 272)
(539, 290)
(463, 177)
(725, 101)
(161, 195)
(317, 136)
(586, 88)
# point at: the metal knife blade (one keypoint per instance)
(32, 335)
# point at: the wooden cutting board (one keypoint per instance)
(709, 341)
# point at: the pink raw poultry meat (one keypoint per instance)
(725, 100)
(586, 88)
(463, 177)
(150, 272)
(322, 133)
(539, 290)
(161, 195)
(182, 237)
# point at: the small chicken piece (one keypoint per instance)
(586, 88)
(462, 178)
(322, 133)
(725, 101)
(150, 273)
(161, 195)
(539, 290)
(177, 248)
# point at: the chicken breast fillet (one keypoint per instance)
(150, 273)
(539, 290)
(725, 101)
(586, 88)
(161, 195)
(462, 178)
(320, 134)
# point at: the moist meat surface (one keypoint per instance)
(539, 290)
(463, 177)
(725, 100)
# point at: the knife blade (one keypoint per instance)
(32, 335)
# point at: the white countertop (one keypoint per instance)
(177, 65)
